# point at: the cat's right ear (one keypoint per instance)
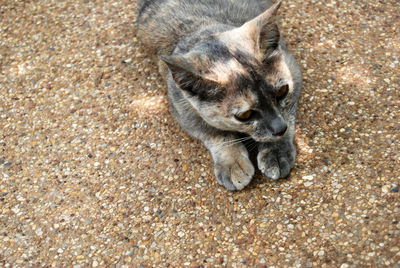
(182, 72)
(259, 35)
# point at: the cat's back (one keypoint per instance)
(162, 23)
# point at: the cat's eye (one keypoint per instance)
(245, 116)
(283, 91)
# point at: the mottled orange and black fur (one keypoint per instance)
(229, 73)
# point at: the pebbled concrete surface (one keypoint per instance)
(94, 171)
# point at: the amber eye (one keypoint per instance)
(283, 91)
(244, 116)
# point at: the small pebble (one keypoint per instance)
(39, 231)
(308, 177)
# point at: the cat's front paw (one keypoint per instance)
(234, 172)
(277, 161)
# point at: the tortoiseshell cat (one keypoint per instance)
(229, 73)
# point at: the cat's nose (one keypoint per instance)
(279, 127)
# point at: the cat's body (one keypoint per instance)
(229, 73)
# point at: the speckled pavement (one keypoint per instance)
(94, 171)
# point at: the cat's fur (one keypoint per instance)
(226, 57)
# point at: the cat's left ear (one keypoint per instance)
(182, 71)
(261, 34)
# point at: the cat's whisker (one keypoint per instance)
(230, 143)
(253, 145)
(234, 140)
(227, 144)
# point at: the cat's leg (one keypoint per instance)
(276, 159)
(232, 166)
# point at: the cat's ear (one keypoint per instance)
(182, 72)
(263, 30)
(269, 39)
(261, 34)
(188, 76)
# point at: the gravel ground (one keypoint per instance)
(94, 171)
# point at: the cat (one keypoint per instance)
(229, 73)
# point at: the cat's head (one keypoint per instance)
(240, 79)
